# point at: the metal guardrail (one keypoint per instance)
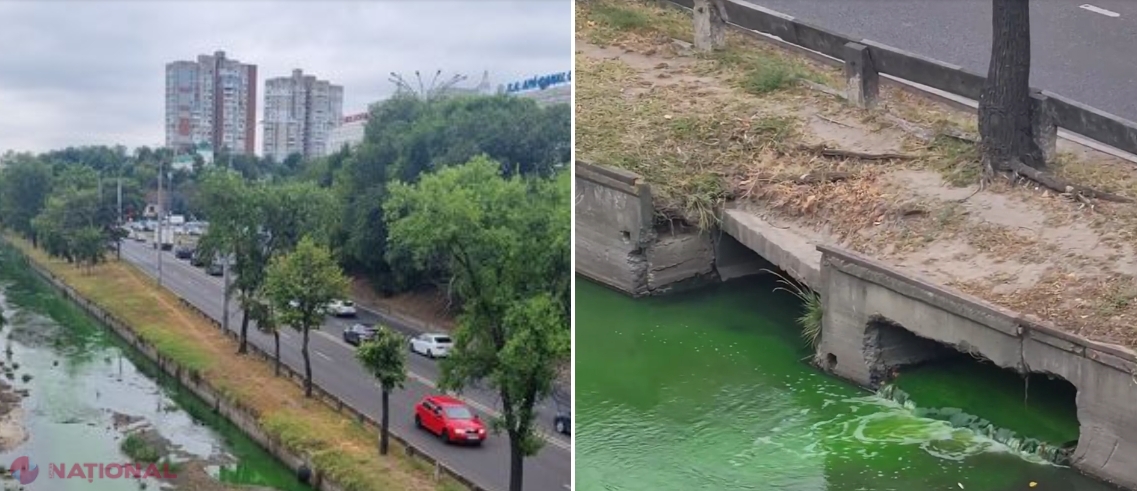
(1089, 122)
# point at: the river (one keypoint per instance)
(710, 390)
(87, 392)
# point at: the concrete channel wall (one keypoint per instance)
(863, 298)
(1098, 125)
(244, 418)
(617, 240)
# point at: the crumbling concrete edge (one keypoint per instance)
(977, 310)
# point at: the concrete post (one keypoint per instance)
(710, 25)
(862, 82)
(1044, 125)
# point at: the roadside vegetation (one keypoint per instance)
(750, 126)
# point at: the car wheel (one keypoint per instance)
(418, 422)
(561, 426)
(444, 435)
(429, 353)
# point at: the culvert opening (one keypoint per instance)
(1033, 413)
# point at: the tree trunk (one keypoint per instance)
(516, 461)
(307, 366)
(276, 344)
(1005, 108)
(710, 25)
(243, 347)
(383, 429)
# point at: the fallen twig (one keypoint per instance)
(822, 88)
(849, 154)
(1054, 183)
(834, 121)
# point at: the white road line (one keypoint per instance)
(321, 355)
(1099, 10)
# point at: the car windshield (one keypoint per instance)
(442, 340)
(458, 412)
(347, 303)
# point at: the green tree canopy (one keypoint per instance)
(507, 243)
(407, 137)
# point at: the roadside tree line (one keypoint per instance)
(468, 193)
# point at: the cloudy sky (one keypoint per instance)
(93, 72)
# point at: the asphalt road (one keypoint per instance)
(335, 369)
(1077, 53)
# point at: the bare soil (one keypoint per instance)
(427, 306)
(741, 126)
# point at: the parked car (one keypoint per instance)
(432, 345)
(341, 308)
(358, 334)
(197, 259)
(183, 252)
(215, 269)
(562, 422)
(450, 419)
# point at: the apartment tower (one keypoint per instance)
(300, 114)
(211, 101)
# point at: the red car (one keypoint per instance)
(450, 419)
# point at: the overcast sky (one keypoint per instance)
(93, 72)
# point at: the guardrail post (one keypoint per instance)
(862, 82)
(1044, 124)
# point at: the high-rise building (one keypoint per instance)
(213, 101)
(300, 114)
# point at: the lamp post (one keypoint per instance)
(158, 242)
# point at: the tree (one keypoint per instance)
(262, 313)
(235, 212)
(710, 24)
(384, 357)
(507, 240)
(89, 246)
(300, 285)
(25, 184)
(1007, 111)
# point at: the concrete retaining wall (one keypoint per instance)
(861, 295)
(1089, 122)
(618, 244)
(244, 418)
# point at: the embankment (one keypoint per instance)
(876, 317)
(331, 440)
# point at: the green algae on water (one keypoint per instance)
(710, 390)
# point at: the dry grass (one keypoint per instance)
(705, 130)
(339, 446)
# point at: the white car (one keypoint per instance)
(341, 308)
(432, 345)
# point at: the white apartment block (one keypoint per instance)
(350, 132)
(300, 114)
(213, 101)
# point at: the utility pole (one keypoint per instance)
(225, 302)
(118, 223)
(158, 242)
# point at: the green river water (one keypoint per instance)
(81, 376)
(709, 390)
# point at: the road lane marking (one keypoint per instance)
(1099, 10)
(321, 355)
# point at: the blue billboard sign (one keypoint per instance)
(539, 83)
